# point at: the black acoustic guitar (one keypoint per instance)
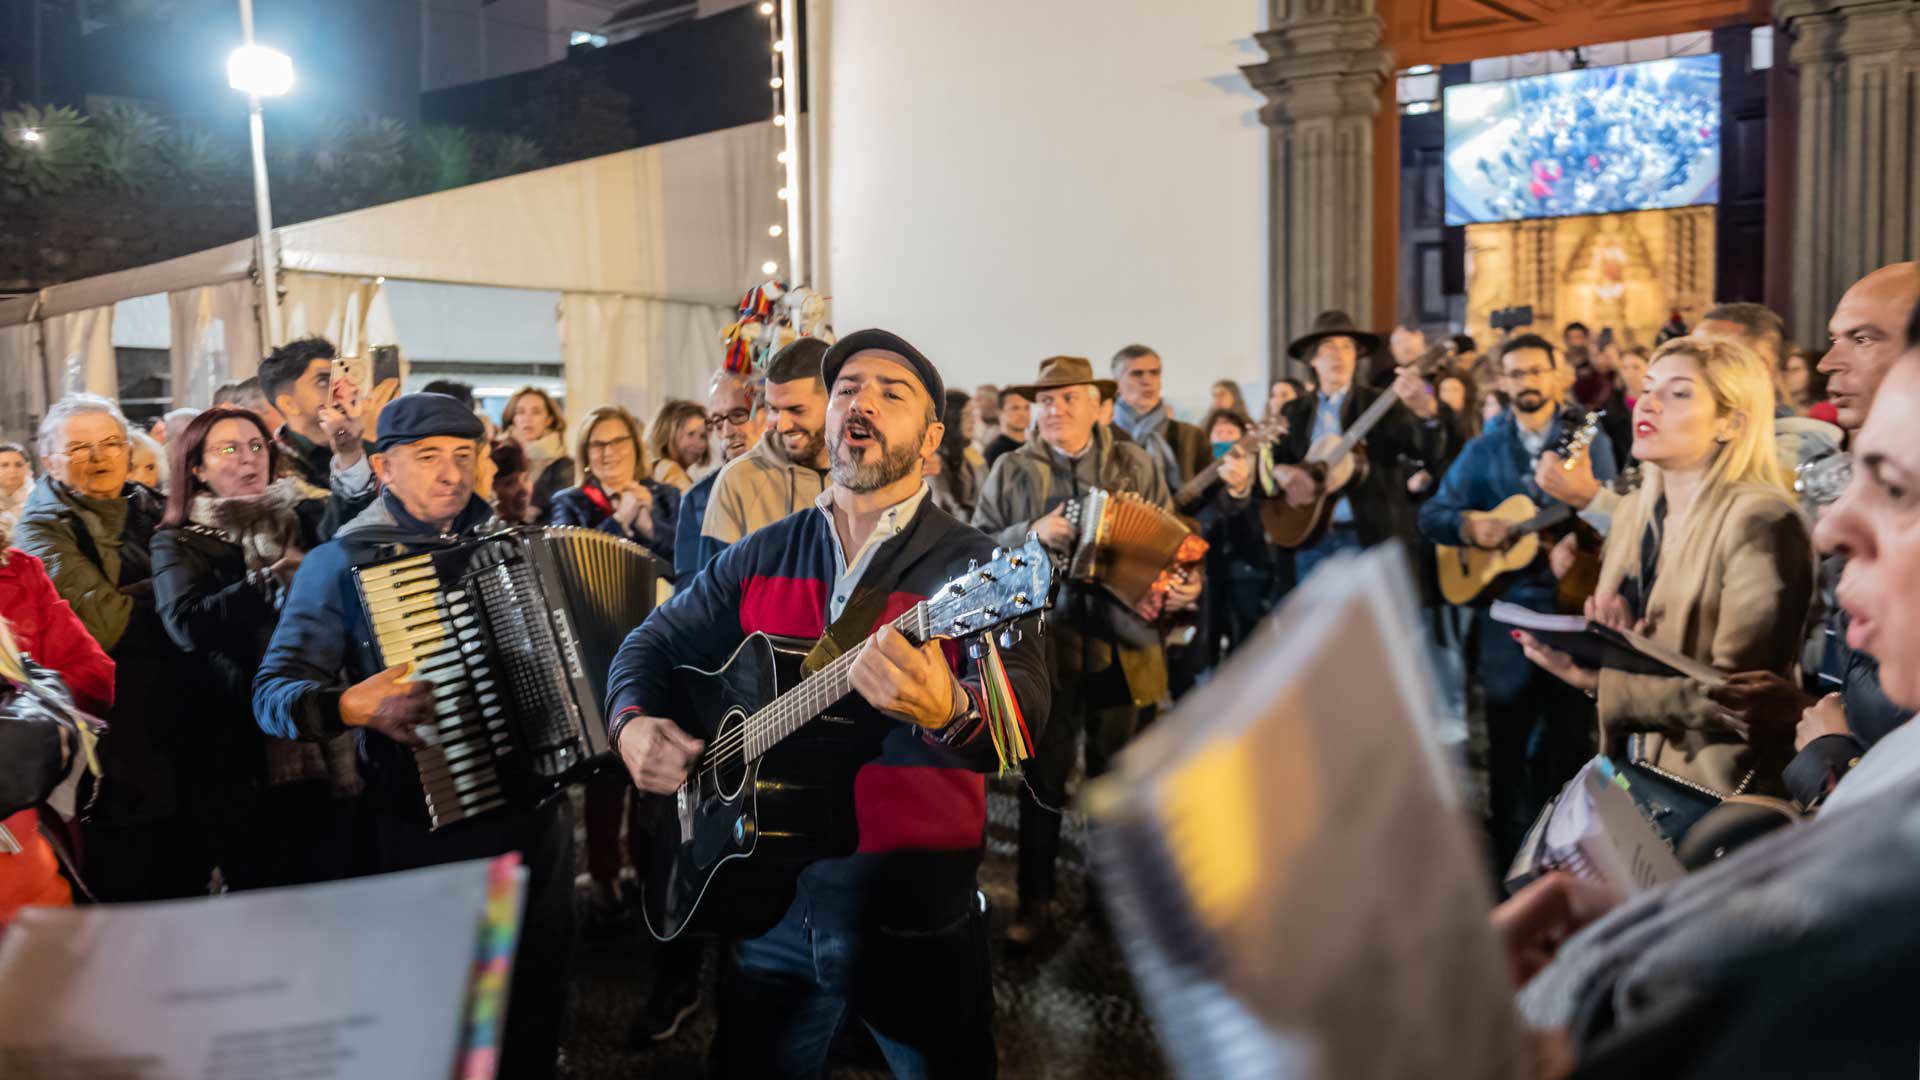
(773, 790)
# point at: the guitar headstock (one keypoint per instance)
(1013, 585)
(1581, 438)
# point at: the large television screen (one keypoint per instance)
(1594, 141)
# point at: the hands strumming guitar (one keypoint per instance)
(658, 755)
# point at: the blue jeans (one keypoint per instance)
(1339, 538)
(926, 997)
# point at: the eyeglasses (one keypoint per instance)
(738, 418)
(253, 446)
(106, 448)
(609, 446)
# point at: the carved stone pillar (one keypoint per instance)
(1322, 82)
(1857, 195)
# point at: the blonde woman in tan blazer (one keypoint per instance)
(1710, 557)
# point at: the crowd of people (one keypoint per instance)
(197, 602)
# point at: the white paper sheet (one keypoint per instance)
(365, 979)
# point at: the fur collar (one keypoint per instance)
(264, 526)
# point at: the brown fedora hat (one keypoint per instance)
(1333, 324)
(1058, 371)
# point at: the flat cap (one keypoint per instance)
(412, 417)
(883, 341)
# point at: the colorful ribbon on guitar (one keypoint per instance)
(1012, 743)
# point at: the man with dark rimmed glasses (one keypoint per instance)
(736, 418)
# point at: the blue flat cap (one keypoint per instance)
(412, 417)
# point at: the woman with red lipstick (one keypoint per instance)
(1709, 557)
(277, 812)
(1798, 955)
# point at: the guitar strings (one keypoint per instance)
(781, 709)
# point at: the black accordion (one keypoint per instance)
(516, 631)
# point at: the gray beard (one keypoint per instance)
(872, 476)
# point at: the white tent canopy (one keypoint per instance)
(648, 250)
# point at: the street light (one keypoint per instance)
(29, 135)
(258, 72)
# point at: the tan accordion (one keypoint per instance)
(1131, 548)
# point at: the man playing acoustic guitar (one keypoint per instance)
(893, 933)
(1497, 464)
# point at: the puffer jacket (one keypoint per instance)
(96, 553)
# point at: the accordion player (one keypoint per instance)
(516, 631)
(1132, 548)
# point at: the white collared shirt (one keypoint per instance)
(893, 521)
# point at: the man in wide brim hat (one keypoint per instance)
(1058, 371)
(1332, 324)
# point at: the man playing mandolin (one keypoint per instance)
(893, 933)
(1501, 462)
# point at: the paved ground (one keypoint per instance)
(1065, 1012)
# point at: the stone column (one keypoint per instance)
(1322, 82)
(1857, 167)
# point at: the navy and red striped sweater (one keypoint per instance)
(920, 806)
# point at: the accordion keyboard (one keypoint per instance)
(415, 621)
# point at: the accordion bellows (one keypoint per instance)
(516, 631)
(1128, 545)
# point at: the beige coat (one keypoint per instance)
(1739, 602)
(757, 489)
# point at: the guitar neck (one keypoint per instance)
(787, 713)
(1204, 479)
(1352, 436)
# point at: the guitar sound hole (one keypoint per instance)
(731, 770)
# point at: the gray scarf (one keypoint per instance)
(1149, 429)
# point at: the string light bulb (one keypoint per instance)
(774, 230)
(779, 119)
(766, 9)
(776, 82)
(769, 267)
(779, 46)
(782, 194)
(781, 157)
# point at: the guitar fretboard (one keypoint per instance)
(788, 712)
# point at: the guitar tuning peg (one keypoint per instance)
(1009, 637)
(977, 649)
(972, 565)
(997, 552)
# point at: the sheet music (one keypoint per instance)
(366, 978)
(1291, 872)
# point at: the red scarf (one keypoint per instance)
(593, 491)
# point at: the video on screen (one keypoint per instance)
(1595, 141)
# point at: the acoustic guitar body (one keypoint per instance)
(1467, 572)
(1291, 526)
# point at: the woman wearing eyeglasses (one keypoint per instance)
(276, 812)
(619, 496)
(91, 528)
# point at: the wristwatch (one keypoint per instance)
(961, 727)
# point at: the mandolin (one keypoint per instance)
(773, 790)
(1266, 432)
(1335, 462)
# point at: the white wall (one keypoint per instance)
(1006, 180)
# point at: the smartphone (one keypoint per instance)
(347, 382)
(354, 377)
(1606, 336)
(385, 363)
